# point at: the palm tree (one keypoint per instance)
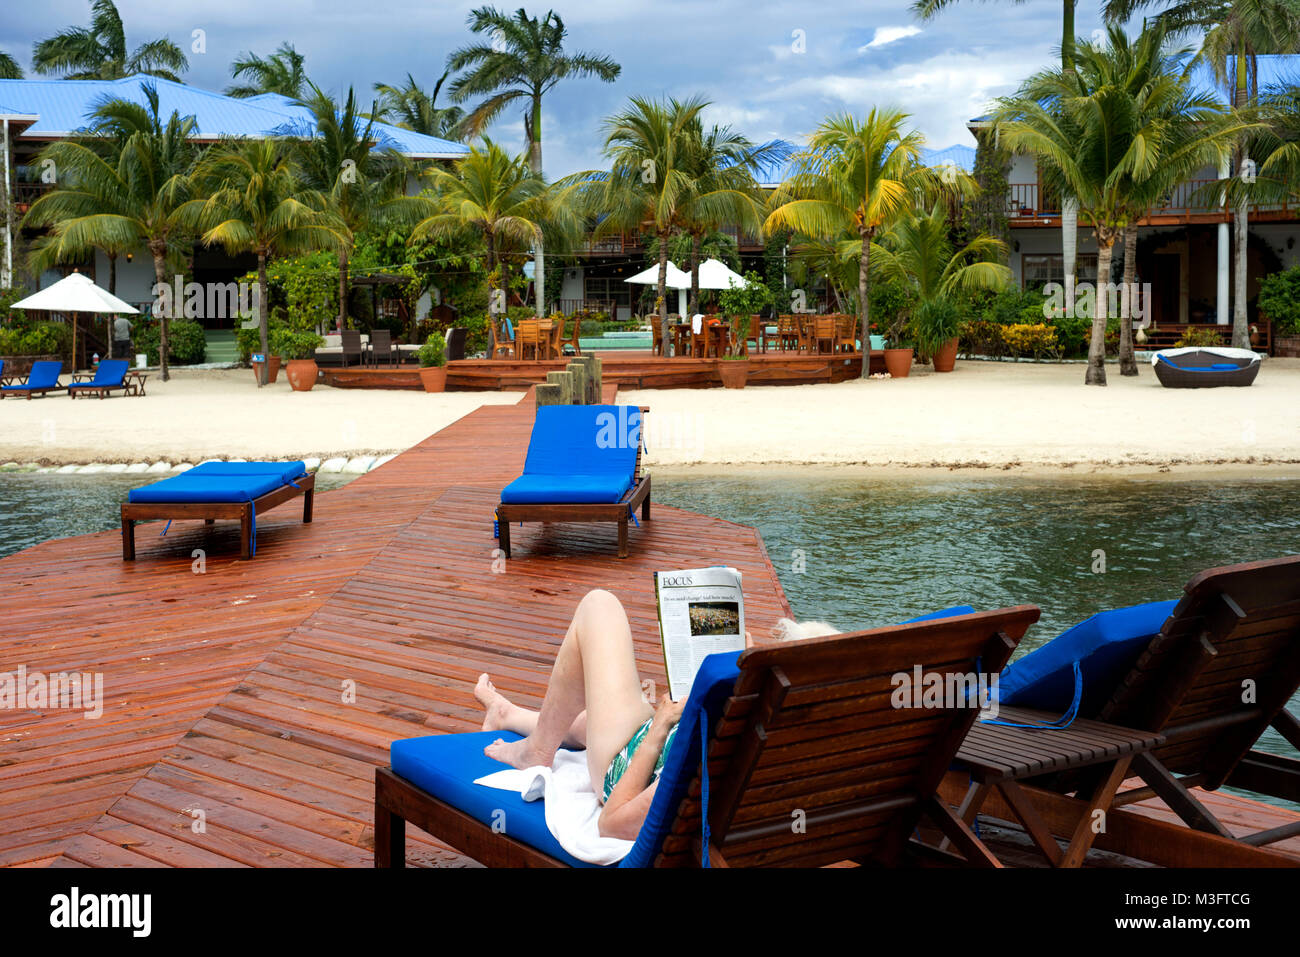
(99, 52)
(723, 166)
(256, 204)
(414, 109)
(491, 193)
(523, 62)
(1235, 34)
(652, 146)
(10, 69)
(342, 158)
(854, 179)
(119, 199)
(1112, 143)
(282, 72)
(928, 9)
(919, 251)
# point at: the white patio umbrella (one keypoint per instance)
(681, 281)
(75, 293)
(717, 275)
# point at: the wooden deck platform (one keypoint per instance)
(631, 370)
(226, 694)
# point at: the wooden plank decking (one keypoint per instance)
(225, 691)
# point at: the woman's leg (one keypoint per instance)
(502, 714)
(595, 671)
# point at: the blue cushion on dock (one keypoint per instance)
(446, 766)
(1106, 647)
(220, 482)
(578, 454)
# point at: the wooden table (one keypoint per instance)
(135, 381)
(997, 756)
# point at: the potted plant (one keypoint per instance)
(298, 350)
(898, 347)
(938, 322)
(740, 303)
(433, 363)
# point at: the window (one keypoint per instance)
(606, 289)
(1038, 269)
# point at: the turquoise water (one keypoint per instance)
(36, 508)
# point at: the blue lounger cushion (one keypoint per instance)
(1106, 647)
(43, 375)
(446, 766)
(220, 482)
(578, 454)
(110, 373)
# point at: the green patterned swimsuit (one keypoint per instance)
(621, 760)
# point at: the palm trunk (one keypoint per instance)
(696, 243)
(864, 290)
(1240, 222)
(263, 305)
(1069, 248)
(1127, 361)
(535, 164)
(1096, 374)
(539, 279)
(661, 290)
(1067, 35)
(112, 273)
(159, 251)
(343, 289)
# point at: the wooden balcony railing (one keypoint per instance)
(1195, 197)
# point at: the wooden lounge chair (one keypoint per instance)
(43, 378)
(501, 345)
(109, 376)
(809, 762)
(1218, 672)
(583, 465)
(219, 490)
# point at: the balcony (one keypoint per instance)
(1031, 204)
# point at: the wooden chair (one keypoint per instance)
(501, 345)
(787, 333)
(824, 331)
(656, 338)
(796, 732)
(846, 328)
(564, 443)
(353, 350)
(530, 338)
(381, 347)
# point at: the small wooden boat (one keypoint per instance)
(1204, 368)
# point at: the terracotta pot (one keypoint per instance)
(272, 372)
(946, 357)
(302, 374)
(434, 378)
(733, 373)
(898, 362)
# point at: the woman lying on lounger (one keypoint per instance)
(595, 701)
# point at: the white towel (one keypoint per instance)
(697, 323)
(572, 810)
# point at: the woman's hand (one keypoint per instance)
(668, 713)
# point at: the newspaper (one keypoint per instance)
(701, 612)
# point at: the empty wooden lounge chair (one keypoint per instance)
(108, 377)
(219, 490)
(800, 732)
(43, 378)
(1210, 679)
(583, 465)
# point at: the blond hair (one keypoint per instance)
(788, 630)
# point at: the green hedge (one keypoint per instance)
(1279, 300)
(26, 338)
(186, 343)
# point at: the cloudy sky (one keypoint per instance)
(770, 68)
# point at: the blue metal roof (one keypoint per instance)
(64, 105)
(960, 156)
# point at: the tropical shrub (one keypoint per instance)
(433, 352)
(8, 296)
(937, 321)
(1201, 338)
(27, 338)
(288, 343)
(1279, 300)
(983, 337)
(249, 341)
(186, 342)
(1035, 340)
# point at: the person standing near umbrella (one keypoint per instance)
(121, 337)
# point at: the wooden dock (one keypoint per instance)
(624, 368)
(246, 707)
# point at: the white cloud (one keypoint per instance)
(886, 35)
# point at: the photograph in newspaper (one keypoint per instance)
(701, 612)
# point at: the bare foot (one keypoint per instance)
(519, 754)
(497, 709)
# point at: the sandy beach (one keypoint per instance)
(1031, 418)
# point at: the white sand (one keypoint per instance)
(1033, 418)
(201, 414)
